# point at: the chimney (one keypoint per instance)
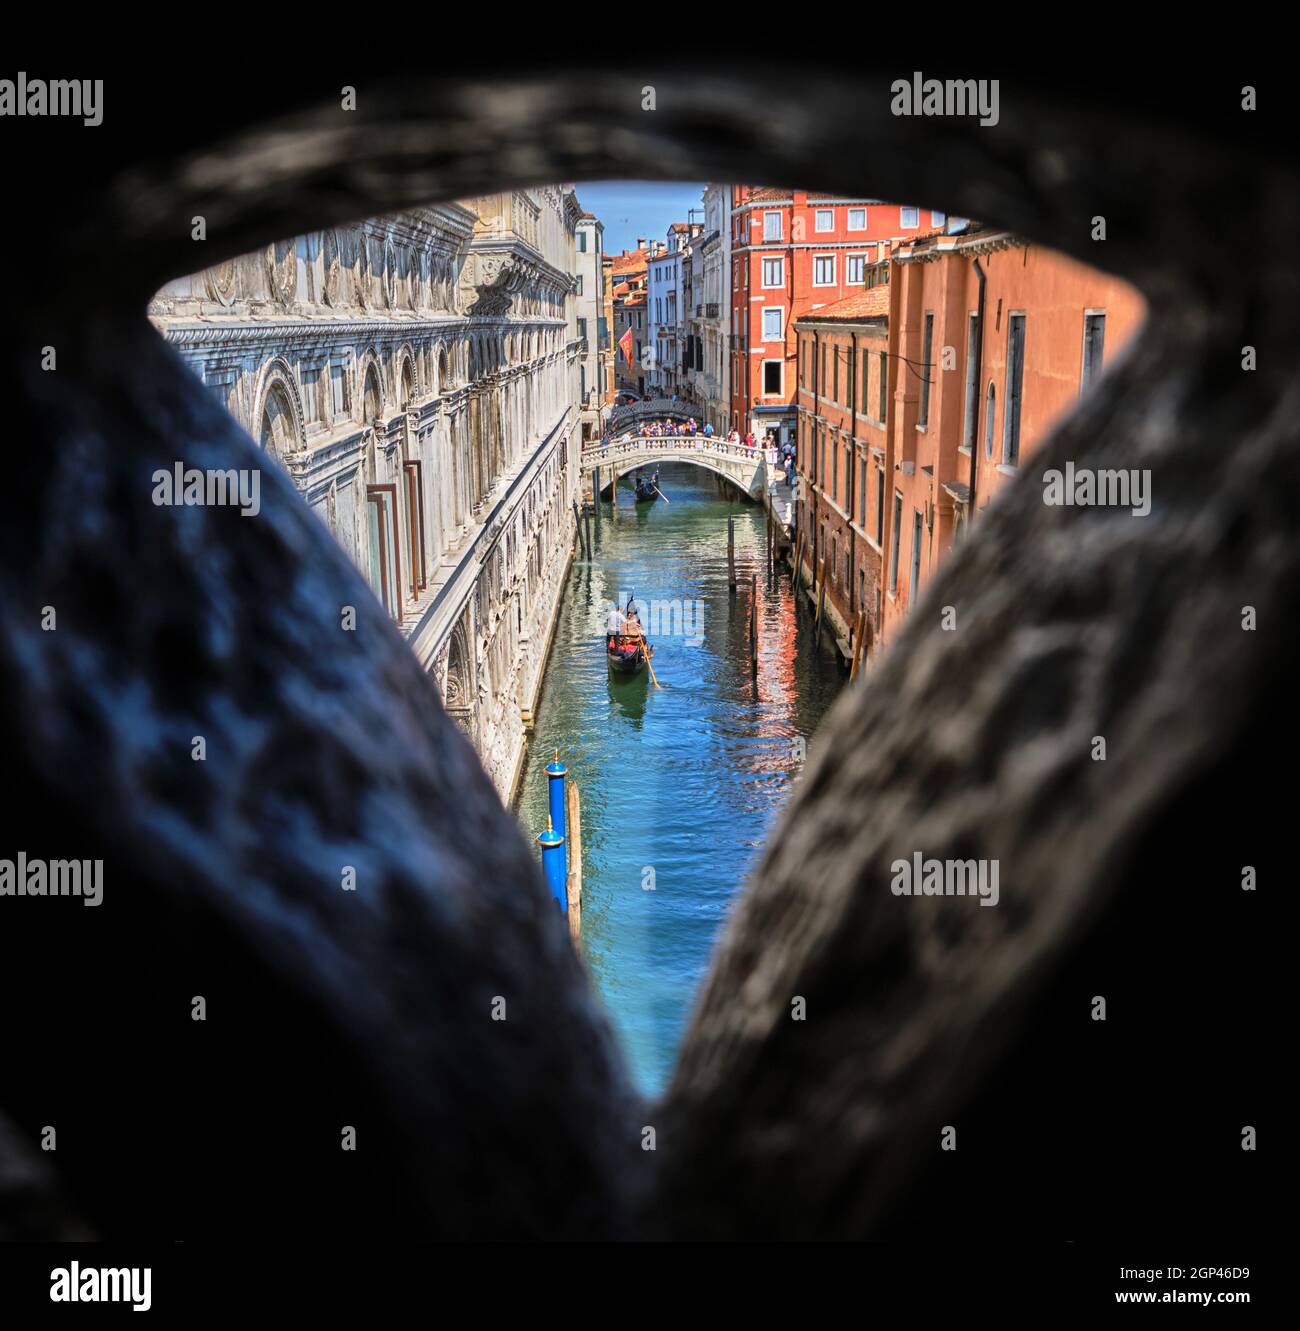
(640, 242)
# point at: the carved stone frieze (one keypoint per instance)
(282, 270)
(388, 278)
(220, 282)
(331, 266)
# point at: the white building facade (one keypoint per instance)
(663, 317)
(417, 377)
(589, 311)
(712, 267)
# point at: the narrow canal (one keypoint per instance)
(681, 785)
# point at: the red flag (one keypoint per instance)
(625, 346)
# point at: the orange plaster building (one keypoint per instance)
(988, 341)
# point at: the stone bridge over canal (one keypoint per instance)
(748, 469)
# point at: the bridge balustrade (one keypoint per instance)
(683, 443)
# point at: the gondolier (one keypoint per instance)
(626, 649)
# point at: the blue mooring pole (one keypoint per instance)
(555, 774)
(552, 844)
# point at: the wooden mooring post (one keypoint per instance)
(577, 522)
(573, 885)
(753, 621)
(821, 595)
(857, 646)
(731, 552)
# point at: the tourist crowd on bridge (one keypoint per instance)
(661, 428)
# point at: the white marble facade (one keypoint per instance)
(417, 377)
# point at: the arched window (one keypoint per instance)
(372, 401)
(278, 436)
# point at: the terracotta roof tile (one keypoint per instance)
(630, 261)
(871, 303)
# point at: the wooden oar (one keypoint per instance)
(645, 651)
(662, 496)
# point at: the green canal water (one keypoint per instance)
(681, 785)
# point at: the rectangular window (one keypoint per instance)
(221, 389)
(386, 558)
(864, 388)
(862, 492)
(825, 219)
(893, 542)
(938, 219)
(772, 377)
(835, 471)
(835, 374)
(338, 391)
(772, 325)
(857, 219)
(855, 269)
(824, 270)
(972, 387)
(909, 218)
(311, 400)
(414, 472)
(880, 503)
(377, 569)
(1015, 389)
(582, 242)
(773, 272)
(1094, 336)
(579, 291)
(771, 226)
(582, 330)
(927, 350)
(915, 577)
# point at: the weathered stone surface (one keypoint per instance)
(1121, 878)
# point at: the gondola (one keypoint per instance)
(647, 491)
(625, 656)
(627, 652)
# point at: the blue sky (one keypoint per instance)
(632, 208)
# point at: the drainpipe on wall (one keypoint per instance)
(815, 453)
(853, 473)
(979, 389)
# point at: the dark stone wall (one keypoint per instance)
(1119, 878)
